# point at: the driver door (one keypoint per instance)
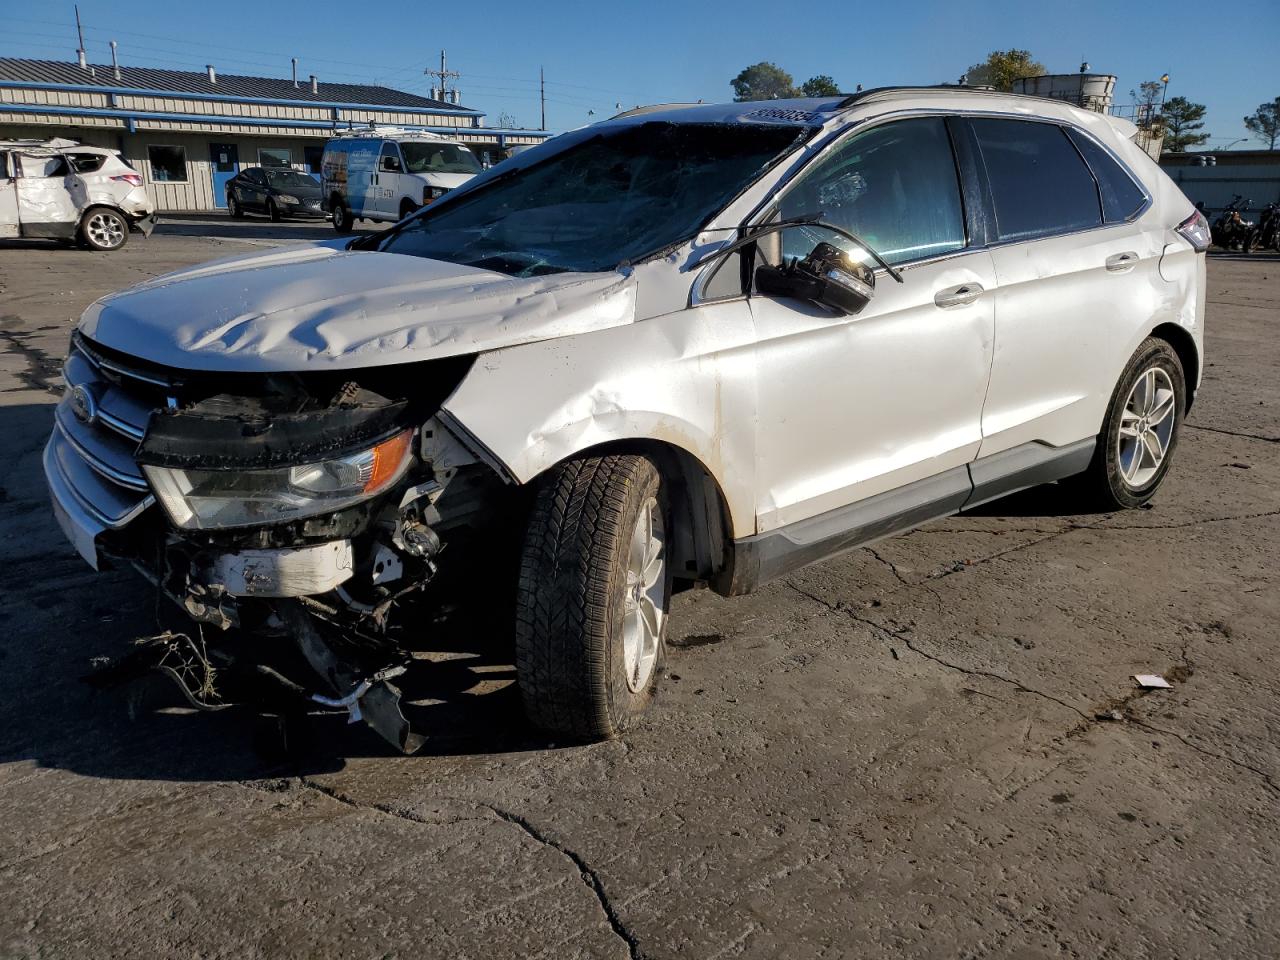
(8, 197)
(855, 406)
(390, 168)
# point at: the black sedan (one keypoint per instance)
(278, 193)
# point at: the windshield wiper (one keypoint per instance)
(804, 220)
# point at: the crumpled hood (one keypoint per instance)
(315, 307)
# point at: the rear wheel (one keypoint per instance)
(1140, 431)
(341, 215)
(104, 229)
(593, 596)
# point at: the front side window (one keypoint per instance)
(895, 186)
(430, 157)
(619, 196)
(1039, 183)
(168, 164)
(1121, 197)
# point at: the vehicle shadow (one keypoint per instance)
(58, 617)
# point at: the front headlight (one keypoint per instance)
(285, 198)
(212, 499)
(433, 193)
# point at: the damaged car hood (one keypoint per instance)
(315, 307)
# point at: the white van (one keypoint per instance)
(60, 190)
(385, 175)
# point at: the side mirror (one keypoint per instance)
(827, 276)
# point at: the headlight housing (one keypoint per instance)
(432, 193)
(286, 198)
(198, 499)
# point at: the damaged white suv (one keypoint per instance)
(688, 346)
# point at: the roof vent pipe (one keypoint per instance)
(213, 74)
(295, 70)
(83, 64)
(315, 84)
(115, 65)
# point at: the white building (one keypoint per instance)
(188, 132)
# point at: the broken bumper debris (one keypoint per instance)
(297, 522)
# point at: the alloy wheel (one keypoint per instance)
(1146, 427)
(105, 230)
(645, 604)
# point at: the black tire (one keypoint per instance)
(407, 208)
(572, 593)
(341, 215)
(1102, 486)
(273, 211)
(104, 229)
(233, 207)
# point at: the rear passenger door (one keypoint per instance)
(1076, 274)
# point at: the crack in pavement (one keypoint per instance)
(1231, 433)
(1267, 779)
(893, 568)
(41, 367)
(589, 877)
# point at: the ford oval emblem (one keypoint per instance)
(83, 405)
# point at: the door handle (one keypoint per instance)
(1120, 262)
(959, 296)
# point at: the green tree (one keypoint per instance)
(1002, 67)
(1264, 123)
(820, 86)
(763, 81)
(1182, 122)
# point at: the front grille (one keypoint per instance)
(97, 428)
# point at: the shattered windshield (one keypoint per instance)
(433, 157)
(615, 197)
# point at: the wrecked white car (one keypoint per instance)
(61, 190)
(694, 346)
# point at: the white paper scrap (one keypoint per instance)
(1149, 680)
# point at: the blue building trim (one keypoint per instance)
(131, 117)
(230, 98)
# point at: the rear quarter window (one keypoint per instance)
(1121, 197)
(1039, 182)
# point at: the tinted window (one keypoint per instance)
(1039, 183)
(1121, 197)
(87, 162)
(895, 186)
(290, 178)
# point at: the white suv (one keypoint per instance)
(62, 190)
(689, 346)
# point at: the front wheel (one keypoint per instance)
(234, 208)
(104, 229)
(593, 596)
(1140, 432)
(407, 208)
(273, 211)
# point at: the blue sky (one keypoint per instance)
(598, 54)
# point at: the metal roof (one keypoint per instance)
(179, 82)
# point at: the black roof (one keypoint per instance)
(18, 70)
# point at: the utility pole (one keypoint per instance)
(80, 35)
(542, 94)
(444, 74)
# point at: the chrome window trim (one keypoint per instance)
(838, 136)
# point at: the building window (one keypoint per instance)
(168, 164)
(274, 157)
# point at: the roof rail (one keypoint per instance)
(863, 95)
(372, 130)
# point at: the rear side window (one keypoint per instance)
(87, 162)
(1039, 183)
(1121, 197)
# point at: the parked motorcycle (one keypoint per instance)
(1230, 229)
(1266, 235)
